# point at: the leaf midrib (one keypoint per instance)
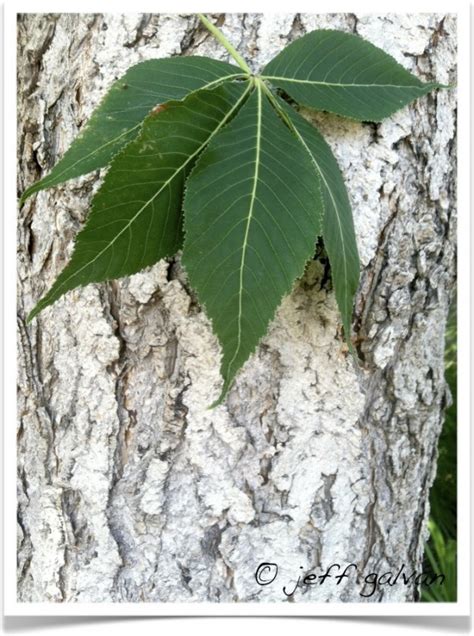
(341, 85)
(165, 184)
(249, 220)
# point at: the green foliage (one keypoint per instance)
(441, 549)
(264, 187)
(135, 218)
(443, 493)
(118, 118)
(344, 74)
(239, 192)
(338, 226)
(441, 552)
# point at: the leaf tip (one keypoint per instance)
(32, 189)
(431, 86)
(222, 395)
(38, 308)
(353, 352)
(33, 313)
(23, 198)
(217, 402)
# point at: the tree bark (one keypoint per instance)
(129, 488)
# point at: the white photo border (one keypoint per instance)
(14, 608)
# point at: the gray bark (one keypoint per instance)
(129, 488)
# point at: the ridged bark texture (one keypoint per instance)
(129, 488)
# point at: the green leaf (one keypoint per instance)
(338, 226)
(136, 214)
(261, 185)
(344, 74)
(251, 208)
(118, 118)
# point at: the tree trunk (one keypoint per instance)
(129, 488)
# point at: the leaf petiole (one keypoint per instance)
(220, 37)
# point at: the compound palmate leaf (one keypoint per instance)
(136, 215)
(260, 184)
(118, 118)
(344, 74)
(252, 215)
